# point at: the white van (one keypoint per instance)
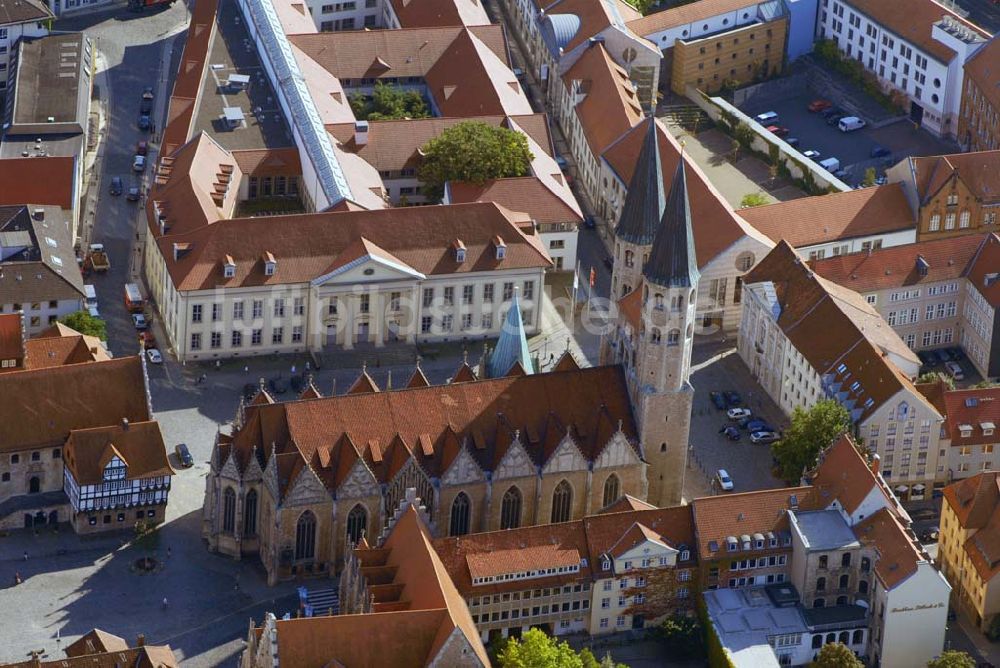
(91, 300)
(954, 370)
(850, 123)
(830, 164)
(767, 118)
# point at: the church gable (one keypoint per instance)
(271, 477)
(567, 457)
(229, 468)
(463, 470)
(515, 463)
(617, 452)
(253, 472)
(359, 483)
(306, 489)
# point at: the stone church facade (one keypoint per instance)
(298, 483)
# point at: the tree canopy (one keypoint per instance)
(473, 151)
(535, 649)
(952, 658)
(810, 432)
(753, 199)
(836, 655)
(389, 102)
(87, 324)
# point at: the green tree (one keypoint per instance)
(87, 324)
(743, 134)
(753, 199)
(642, 6)
(836, 655)
(734, 150)
(535, 649)
(389, 102)
(952, 658)
(810, 432)
(869, 178)
(681, 634)
(473, 151)
(981, 385)
(934, 376)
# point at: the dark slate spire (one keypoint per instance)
(672, 260)
(644, 200)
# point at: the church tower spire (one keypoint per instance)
(641, 213)
(512, 346)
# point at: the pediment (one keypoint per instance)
(306, 489)
(359, 483)
(463, 470)
(616, 453)
(566, 457)
(515, 463)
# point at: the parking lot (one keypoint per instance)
(852, 149)
(717, 367)
(948, 361)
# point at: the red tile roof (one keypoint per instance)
(814, 220)
(49, 181)
(11, 338)
(521, 560)
(719, 517)
(984, 274)
(439, 13)
(896, 266)
(527, 194)
(898, 554)
(912, 20)
(688, 13)
(309, 246)
(973, 408)
(842, 473)
(269, 162)
(140, 447)
(979, 170)
(187, 83)
(974, 500)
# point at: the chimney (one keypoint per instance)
(38, 214)
(140, 640)
(876, 463)
(124, 424)
(360, 133)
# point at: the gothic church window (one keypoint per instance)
(305, 536)
(561, 502)
(250, 514)
(510, 509)
(612, 490)
(229, 510)
(357, 523)
(459, 525)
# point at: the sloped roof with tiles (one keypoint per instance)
(846, 215)
(842, 474)
(836, 330)
(23, 11)
(96, 641)
(974, 500)
(689, 13)
(984, 274)
(12, 337)
(433, 425)
(60, 345)
(312, 246)
(912, 20)
(609, 107)
(268, 161)
(147, 656)
(980, 171)
(972, 416)
(439, 13)
(717, 518)
(139, 445)
(984, 68)
(625, 503)
(566, 24)
(898, 554)
(528, 194)
(717, 226)
(900, 266)
(49, 180)
(42, 407)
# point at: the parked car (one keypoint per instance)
(738, 413)
(184, 455)
(942, 355)
(830, 164)
(792, 141)
(834, 119)
(927, 358)
(956, 354)
(724, 481)
(154, 356)
(733, 398)
(929, 535)
(133, 194)
(139, 320)
(851, 123)
(764, 436)
(880, 152)
(833, 111)
(730, 432)
(817, 106)
(718, 400)
(116, 186)
(954, 369)
(777, 130)
(142, 148)
(139, 163)
(767, 118)
(146, 101)
(145, 122)
(758, 425)
(812, 154)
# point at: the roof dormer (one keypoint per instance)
(270, 264)
(229, 267)
(501, 247)
(988, 428)
(965, 430)
(459, 249)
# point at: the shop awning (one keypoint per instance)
(919, 488)
(901, 488)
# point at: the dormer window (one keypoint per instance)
(605, 565)
(988, 428)
(501, 247)
(269, 264)
(459, 248)
(965, 430)
(684, 556)
(229, 267)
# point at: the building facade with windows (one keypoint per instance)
(979, 122)
(917, 49)
(31, 18)
(951, 195)
(618, 570)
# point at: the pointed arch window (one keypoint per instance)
(510, 509)
(655, 335)
(357, 524)
(562, 499)
(612, 490)
(673, 337)
(459, 525)
(658, 301)
(305, 536)
(229, 510)
(629, 258)
(250, 514)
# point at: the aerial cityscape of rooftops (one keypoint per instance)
(513, 333)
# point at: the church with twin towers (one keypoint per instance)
(296, 483)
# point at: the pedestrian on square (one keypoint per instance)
(246, 368)
(218, 364)
(307, 366)
(25, 555)
(293, 369)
